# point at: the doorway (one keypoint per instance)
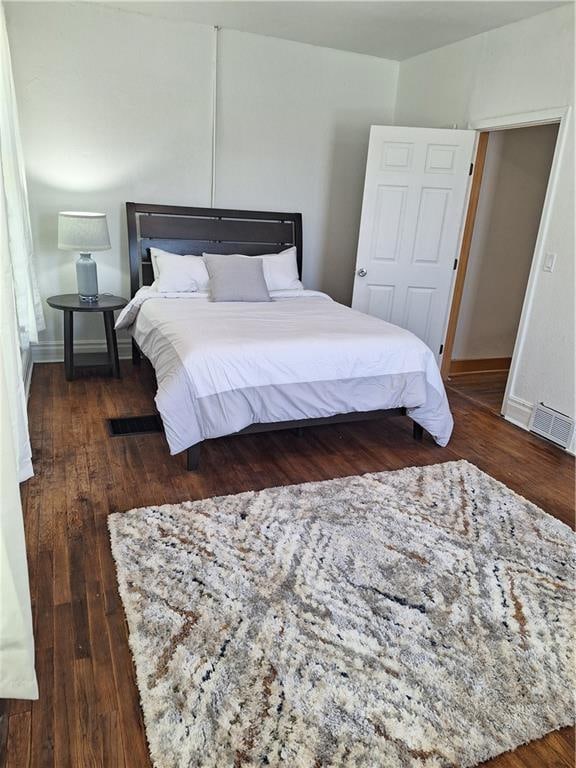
(515, 167)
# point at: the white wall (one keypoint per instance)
(522, 67)
(509, 209)
(293, 134)
(116, 106)
(113, 107)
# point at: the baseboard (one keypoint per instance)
(27, 365)
(53, 351)
(480, 365)
(518, 411)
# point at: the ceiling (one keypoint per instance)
(388, 29)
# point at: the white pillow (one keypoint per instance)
(153, 253)
(280, 269)
(175, 273)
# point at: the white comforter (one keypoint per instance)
(222, 366)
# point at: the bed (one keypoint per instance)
(299, 360)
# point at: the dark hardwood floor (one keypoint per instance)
(88, 713)
(485, 388)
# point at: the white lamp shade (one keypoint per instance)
(80, 231)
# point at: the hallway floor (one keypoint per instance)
(485, 388)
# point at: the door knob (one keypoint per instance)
(362, 272)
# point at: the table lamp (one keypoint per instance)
(84, 232)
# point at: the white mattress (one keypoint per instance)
(221, 366)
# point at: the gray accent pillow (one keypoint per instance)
(235, 278)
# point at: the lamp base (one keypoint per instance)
(87, 276)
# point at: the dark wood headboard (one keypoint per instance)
(183, 230)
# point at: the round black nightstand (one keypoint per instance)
(70, 303)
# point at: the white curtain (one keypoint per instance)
(28, 303)
(20, 320)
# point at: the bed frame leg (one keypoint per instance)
(193, 457)
(136, 356)
(417, 432)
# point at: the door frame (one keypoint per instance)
(464, 253)
(560, 115)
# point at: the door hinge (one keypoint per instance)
(471, 169)
(441, 349)
(455, 263)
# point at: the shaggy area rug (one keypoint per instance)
(418, 619)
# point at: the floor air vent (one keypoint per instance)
(552, 425)
(134, 425)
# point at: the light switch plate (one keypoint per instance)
(549, 262)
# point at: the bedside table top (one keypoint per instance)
(105, 303)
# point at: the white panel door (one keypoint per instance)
(413, 210)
